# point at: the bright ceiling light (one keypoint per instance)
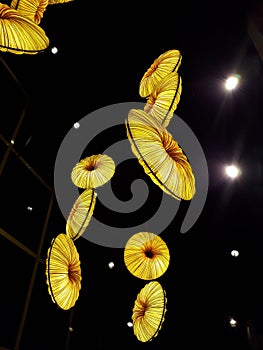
(111, 264)
(235, 253)
(232, 82)
(54, 50)
(232, 322)
(232, 171)
(129, 324)
(76, 125)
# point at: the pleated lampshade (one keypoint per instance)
(160, 155)
(93, 171)
(166, 63)
(146, 255)
(81, 213)
(19, 34)
(149, 311)
(31, 9)
(63, 271)
(163, 101)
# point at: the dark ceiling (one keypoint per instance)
(103, 51)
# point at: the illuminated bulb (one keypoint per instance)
(70, 329)
(232, 82)
(29, 208)
(12, 141)
(54, 50)
(232, 171)
(111, 265)
(129, 324)
(76, 125)
(235, 253)
(232, 322)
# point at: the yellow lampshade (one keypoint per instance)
(93, 171)
(63, 272)
(146, 255)
(149, 311)
(163, 101)
(31, 9)
(20, 35)
(160, 155)
(166, 63)
(81, 213)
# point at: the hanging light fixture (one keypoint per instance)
(149, 311)
(20, 35)
(146, 255)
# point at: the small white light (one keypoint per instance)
(70, 329)
(111, 264)
(129, 324)
(232, 322)
(232, 171)
(54, 50)
(12, 141)
(235, 253)
(76, 125)
(232, 82)
(29, 208)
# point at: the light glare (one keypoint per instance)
(54, 50)
(232, 82)
(235, 253)
(232, 322)
(232, 171)
(111, 264)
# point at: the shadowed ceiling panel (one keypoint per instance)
(255, 27)
(25, 202)
(16, 270)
